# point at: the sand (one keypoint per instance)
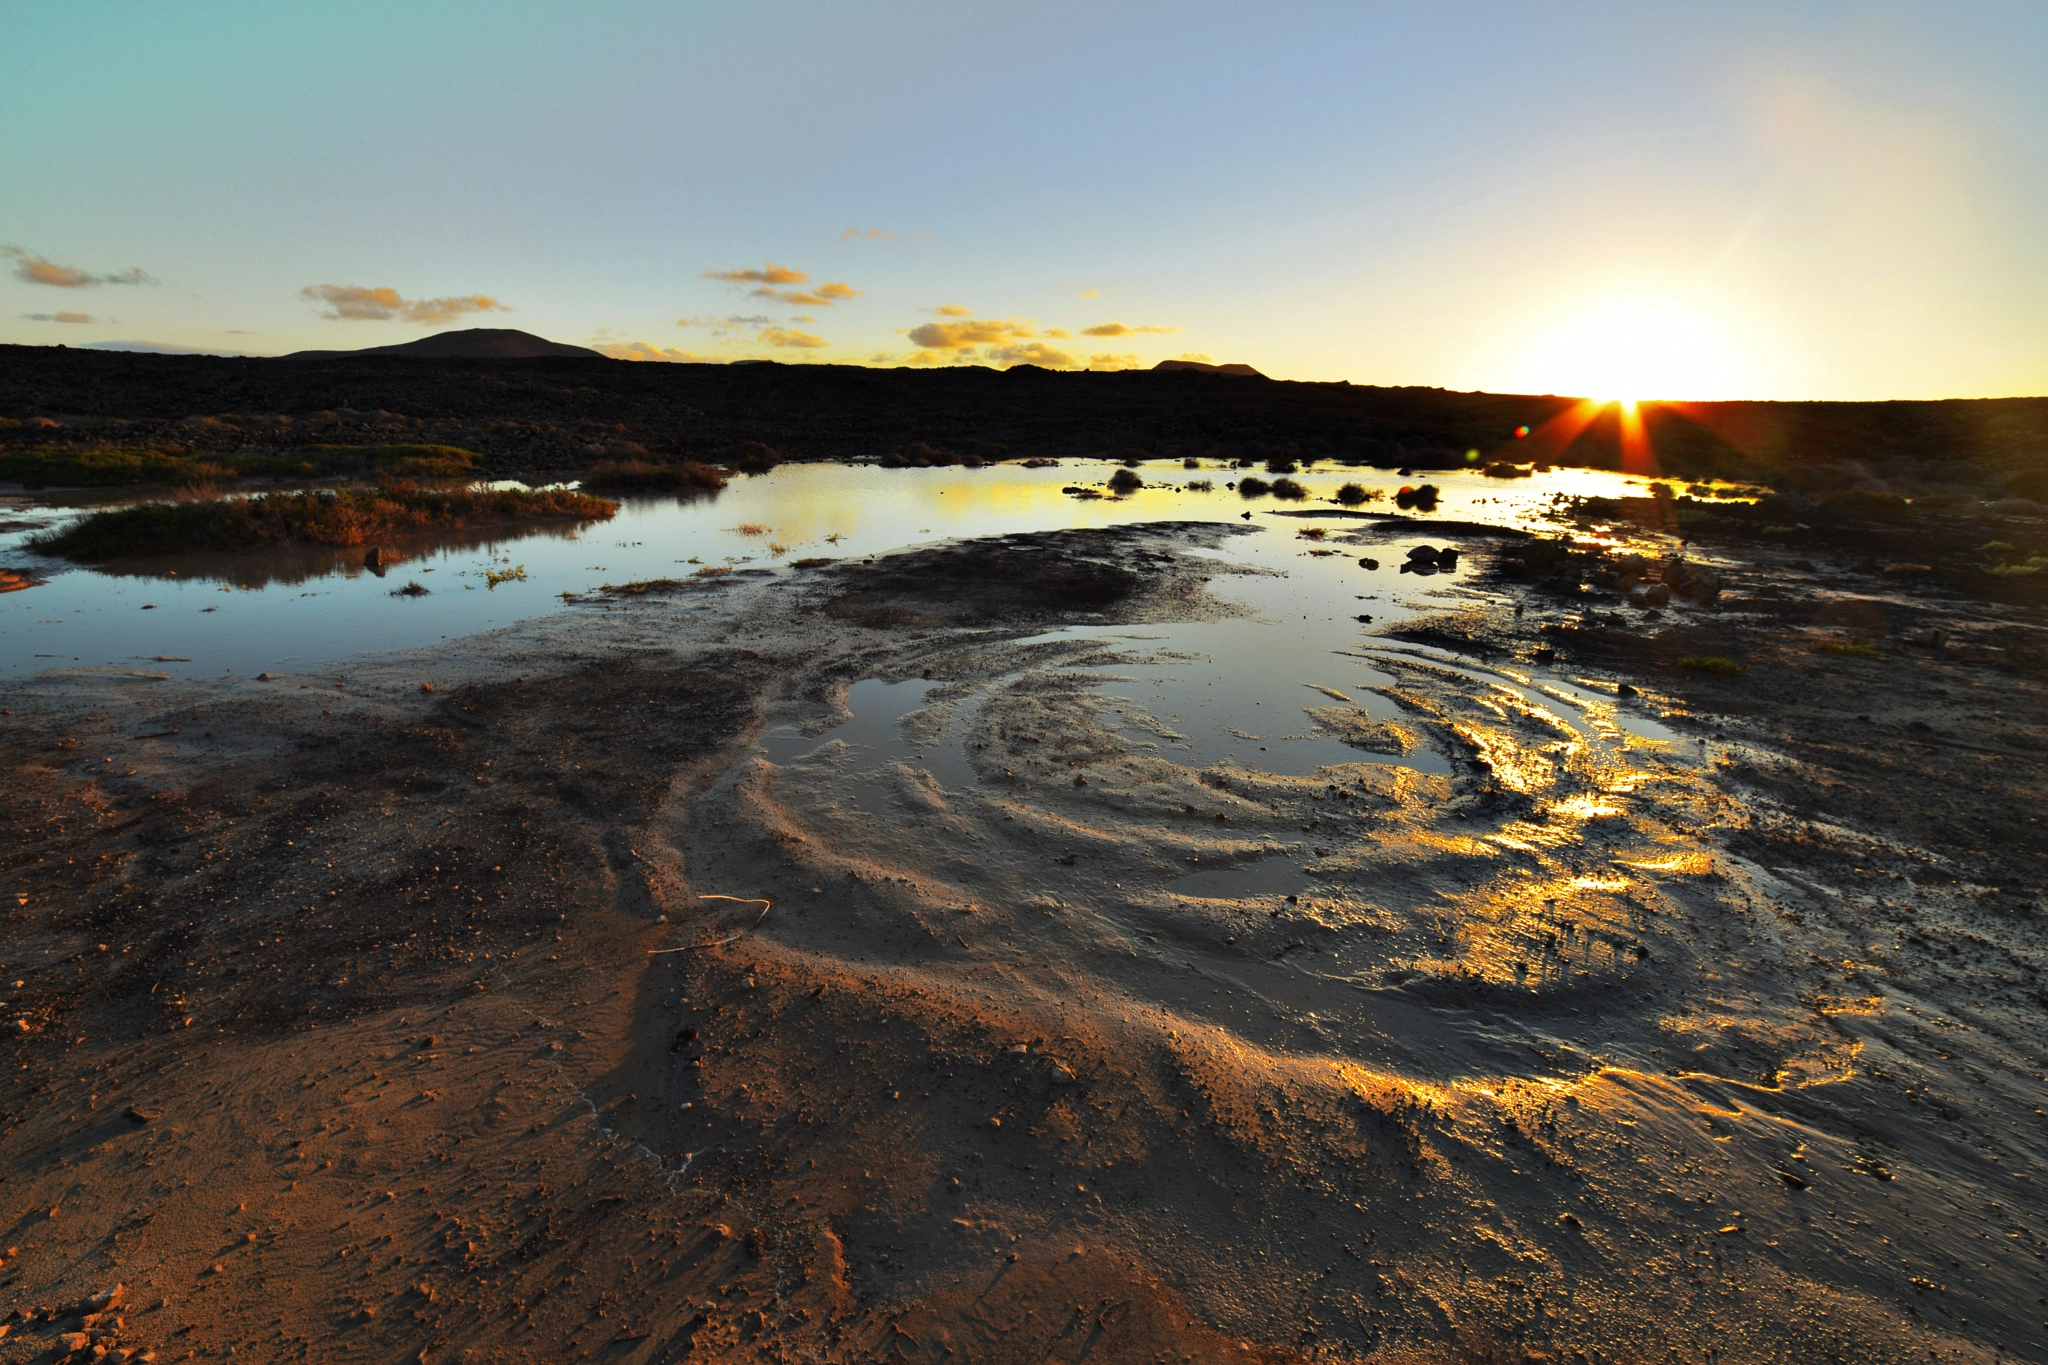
(361, 1021)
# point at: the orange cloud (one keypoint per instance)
(1198, 357)
(873, 234)
(1118, 329)
(1091, 293)
(824, 296)
(37, 270)
(353, 303)
(59, 317)
(1030, 353)
(769, 274)
(641, 350)
(961, 336)
(1110, 361)
(953, 310)
(779, 337)
(1060, 332)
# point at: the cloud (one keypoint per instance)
(824, 296)
(641, 350)
(778, 337)
(1118, 329)
(1059, 332)
(353, 303)
(873, 234)
(961, 336)
(1111, 361)
(60, 317)
(954, 310)
(769, 274)
(881, 358)
(1091, 293)
(1199, 357)
(37, 270)
(752, 320)
(1030, 353)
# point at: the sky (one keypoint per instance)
(1639, 200)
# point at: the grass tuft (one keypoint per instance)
(642, 476)
(1712, 663)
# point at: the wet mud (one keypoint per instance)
(1587, 1006)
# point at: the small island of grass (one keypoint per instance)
(644, 476)
(338, 517)
(112, 466)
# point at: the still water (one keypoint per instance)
(207, 616)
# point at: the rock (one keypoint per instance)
(1424, 554)
(374, 559)
(1368, 563)
(1649, 595)
(74, 1342)
(106, 1299)
(141, 1115)
(1061, 1075)
(264, 677)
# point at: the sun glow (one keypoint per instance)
(1627, 351)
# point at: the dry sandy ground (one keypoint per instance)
(349, 1021)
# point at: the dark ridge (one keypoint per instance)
(471, 343)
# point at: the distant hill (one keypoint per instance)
(472, 343)
(1245, 370)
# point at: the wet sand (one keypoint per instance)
(358, 1021)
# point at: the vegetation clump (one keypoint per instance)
(1126, 481)
(1252, 486)
(1352, 494)
(1847, 650)
(327, 516)
(1712, 663)
(1288, 488)
(113, 466)
(645, 476)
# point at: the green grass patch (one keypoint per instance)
(2013, 570)
(1846, 650)
(114, 466)
(644, 476)
(327, 516)
(1713, 663)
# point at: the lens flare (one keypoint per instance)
(1630, 350)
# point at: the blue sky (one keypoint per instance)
(1654, 200)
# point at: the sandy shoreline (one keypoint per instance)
(1590, 1047)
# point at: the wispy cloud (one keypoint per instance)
(39, 270)
(60, 317)
(1111, 361)
(873, 234)
(782, 338)
(1091, 293)
(353, 303)
(1059, 333)
(768, 274)
(954, 310)
(1201, 357)
(960, 336)
(1118, 329)
(642, 350)
(1030, 353)
(824, 296)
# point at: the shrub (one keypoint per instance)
(1351, 494)
(752, 457)
(1125, 481)
(1199, 485)
(1712, 663)
(641, 476)
(1252, 486)
(1280, 464)
(1842, 647)
(1288, 488)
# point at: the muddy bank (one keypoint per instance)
(1024, 1038)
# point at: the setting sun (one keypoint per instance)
(1636, 349)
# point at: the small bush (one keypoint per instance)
(1252, 486)
(755, 458)
(1280, 464)
(1125, 481)
(1352, 494)
(1712, 663)
(641, 476)
(1199, 486)
(1288, 488)
(1847, 650)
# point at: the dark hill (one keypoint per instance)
(471, 343)
(1202, 367)
(554, 414)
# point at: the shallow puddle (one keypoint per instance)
(205, 616)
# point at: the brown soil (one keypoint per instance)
(363, 1022)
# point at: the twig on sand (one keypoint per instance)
(762, 901)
